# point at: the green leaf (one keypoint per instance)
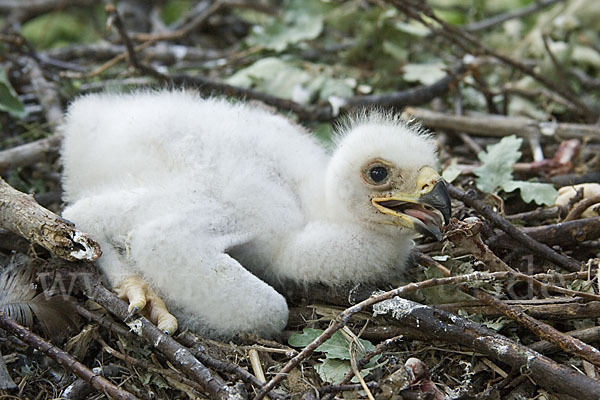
(271, 75)
(425, 73)
(9, 102)
(540, 193)
(337, 346)
(496, 173)
(301, 21)
(280, 78)
(498, 163)
(59, 29)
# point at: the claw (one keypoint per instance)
(141, 297)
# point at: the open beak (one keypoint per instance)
(425, 210)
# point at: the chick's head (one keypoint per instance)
(383, 173)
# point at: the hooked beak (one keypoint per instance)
(425, 210)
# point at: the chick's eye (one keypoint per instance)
(378, 174)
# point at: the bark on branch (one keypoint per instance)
(20, 214)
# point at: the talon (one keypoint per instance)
(141, 297)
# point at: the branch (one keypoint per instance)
(24, 10)
(512, 14)
(546, 252)
(177, 354)
(65, 359)
(20, 214)
(570, 233)
(544, 331)
(414, 9)
(499, 125)
(36, 151)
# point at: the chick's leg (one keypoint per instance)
(141, 297)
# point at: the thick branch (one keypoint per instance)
(20, 214)
(544, 331)
(570, 233)
(500, 125)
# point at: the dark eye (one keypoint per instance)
(378, 174)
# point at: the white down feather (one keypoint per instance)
(213, 202)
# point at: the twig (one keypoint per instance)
(195, 23)
(465, 41)
(111, 11)
(148, 366)
(20, 214)
(356, 371)
(342, 319)
(330, 390)
(570, 233)
(413, 96)
(585, 335)
(191, 341)
(556, 311)
(24, 10)
(544, 331)
(30, 153)
(580, 207)
(498, 125)
(36, 151)
(47, 93)
(176, 353)
(65, 359)
(469, 199)
(512, 14)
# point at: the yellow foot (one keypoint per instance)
(142, 298)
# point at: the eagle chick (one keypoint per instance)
(213, 204)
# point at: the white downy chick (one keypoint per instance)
(212, 203)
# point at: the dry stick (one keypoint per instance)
(580, 207)
(465, 234)
(570, 233)
(177, 354)
(557, 311)
(47, 94)
(543, 330)
(148, 366)
(20, 214)
(512, 14)
(32, 152)
(500, 125)
(187, 339)
(64, 359)
(342, 319)
(414, 8)
(24, 10)
(470, 200)
(191, 341)
(435, 324)
(111, 11)
(585, 335)
(42, 150)
(195, 23)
